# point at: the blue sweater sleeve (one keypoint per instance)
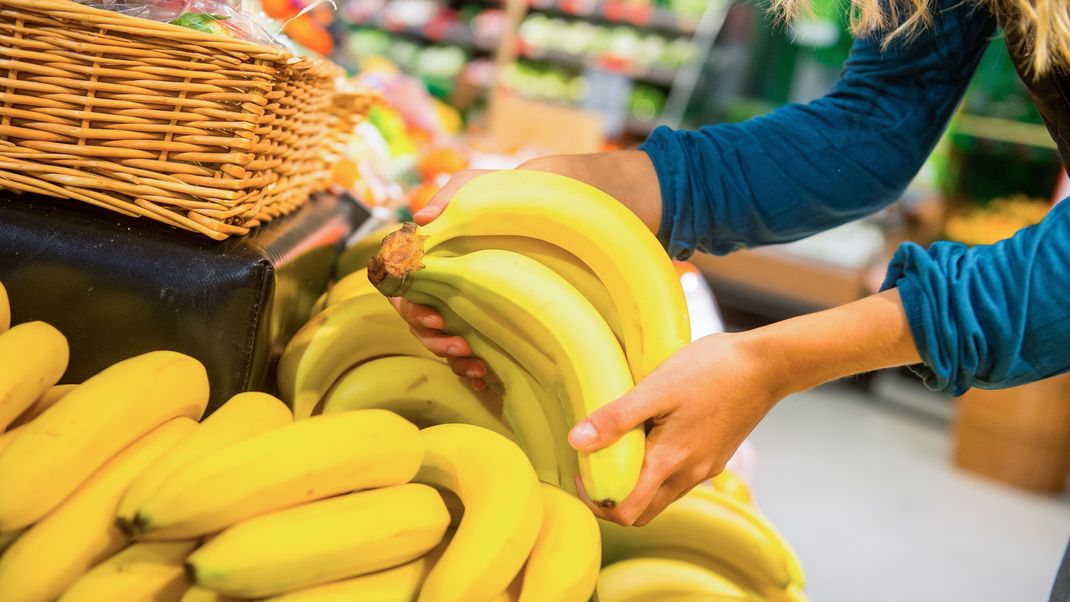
(989, 316)
(805, 168)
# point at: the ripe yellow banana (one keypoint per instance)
(551, 330)
(8, 436)
(322, 541)
(242, 416)
(594, 227)
(353, 285)
(732, 485)
(45, 401)
(283, 467)
(201, 594)
(6, 539)
(143, 571)
(5, 308)
(398, 584)
(33, 355)
(648, 579)
(541, 434)
(502, 511)
(564, 563)
(567, 265)
(334, 341)
(53, 553)
(60, 449)
(356, 255)
(712, 530)
(319, 305)
(424, 391)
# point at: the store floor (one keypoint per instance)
(867, 494)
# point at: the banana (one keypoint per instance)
(564, 563)
(53, 553)
(598, 230)
(143, 571)
(712, 530)
(283, 467)
(353, 285)
(6, 539)
(34, 355)
(732, 485)
(242, 416)
(45, 401)
(201, 594)
(567, 265)
(5, 309)
(334, 341)
(542, 435)
(319, 305)
(552, 331)
(502, 510)
(425, 392)
(8, 436)
(322, 541)
(356, 256)
(648, 579)
(60, 449)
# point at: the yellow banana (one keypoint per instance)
(712, 530)
(5, 308)
(334, 341)
(53, 553)
(353, 285)
(598, 230)
(283, 467)
(45, 401)
(399, 584)
(6, 539)
(322, 541)
(567, 265)
(8, 436)
(552, 331)
(319, 305)
(733, 485)
(34, 355)
(424, 391)
(502, 510)
(564, 563)
(242, 416)
(144, 571)
(60, 449)
(201, 594)
(649, 579)
(356, 255)
(541, 434)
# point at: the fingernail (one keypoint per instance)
(429, 321)
(478, 384)
(583, 434)
(473, 373)
(453, 350)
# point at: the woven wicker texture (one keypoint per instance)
(203, 132)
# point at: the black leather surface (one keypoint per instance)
(118, 286)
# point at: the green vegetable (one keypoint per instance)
(201, 22)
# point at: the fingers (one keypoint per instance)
(437, 204)
(440, 343)
(613, 420)
(670, 491)
(418, 316)
(475, 370)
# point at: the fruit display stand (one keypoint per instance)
(119, 286)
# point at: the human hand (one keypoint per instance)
(702, 403)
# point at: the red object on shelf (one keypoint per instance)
(639, 14)
(436, 28)
(615, 64)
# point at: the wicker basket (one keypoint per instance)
(202, 132)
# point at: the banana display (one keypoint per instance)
(381, 475)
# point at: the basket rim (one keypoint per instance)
(160, 28)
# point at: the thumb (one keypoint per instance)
(610, 422)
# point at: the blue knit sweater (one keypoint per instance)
(990, 316)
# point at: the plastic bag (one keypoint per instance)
(219, 17)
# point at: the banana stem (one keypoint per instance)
(393, 269)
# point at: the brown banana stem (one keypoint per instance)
(392, 270)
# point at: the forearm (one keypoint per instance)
(627, 176)
(808, 350)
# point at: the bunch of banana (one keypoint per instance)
(523, 262)
(142, 571)
(717, 533)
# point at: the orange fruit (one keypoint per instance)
(442, 160)
(421, 195)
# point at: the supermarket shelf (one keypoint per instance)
(457, 34)
(618, 13)
(1003, 130)
(653, 75)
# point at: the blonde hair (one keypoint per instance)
(1043, 25)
